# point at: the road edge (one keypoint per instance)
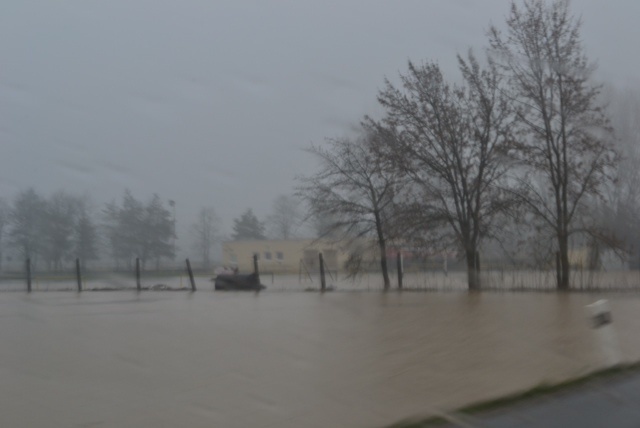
(539, 391)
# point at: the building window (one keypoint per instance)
(267, 255)
(279, 255)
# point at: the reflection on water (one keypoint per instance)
(284, 359)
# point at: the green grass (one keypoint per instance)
(520, 397)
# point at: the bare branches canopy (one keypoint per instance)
(454, 143)
(355, 189)
(521, 133)
(564, 142)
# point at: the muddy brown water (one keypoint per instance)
(342, 359)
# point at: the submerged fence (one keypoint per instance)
(424, 277)
(77, 279)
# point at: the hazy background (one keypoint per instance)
(212, 102)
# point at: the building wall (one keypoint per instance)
(288, 256)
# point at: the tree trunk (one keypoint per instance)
(473, 275)
(558, 270)
(563, 245)
(382, 244)
(383, 265)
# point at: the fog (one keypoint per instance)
(504, 217)
(212, 103)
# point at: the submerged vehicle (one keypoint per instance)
(238, 282)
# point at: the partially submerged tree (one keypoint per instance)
(49, 229)
(354, 188)
(85, 238)
(248, 227)
(158, 232)
(25, 219)
(564, 146)
(123, 225)
(59, 217)
(205, 231)
(138, 230)
(453, 142)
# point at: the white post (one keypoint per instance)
(601, 322)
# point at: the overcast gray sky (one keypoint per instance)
(211, 102)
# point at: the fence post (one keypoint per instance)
(255, 267)
(28, 267)
(138, 286)
(78, 277)
(323, 283)
(193, 282)
(399, 269)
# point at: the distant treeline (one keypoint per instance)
(57, 229)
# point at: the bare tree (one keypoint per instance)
(453, 142)
(565, 144)
(123, 228)
(85, 237)
(50, 228)
(58, 222)
(323, 225)
(25, 219)
(354, 188)
(157, 237)
(205, 230)
(285, 217)
(138, 230)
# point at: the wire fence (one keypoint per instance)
(427, 278)
(491, 280)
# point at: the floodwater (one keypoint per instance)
(341, 359)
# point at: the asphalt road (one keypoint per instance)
(611, 403)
